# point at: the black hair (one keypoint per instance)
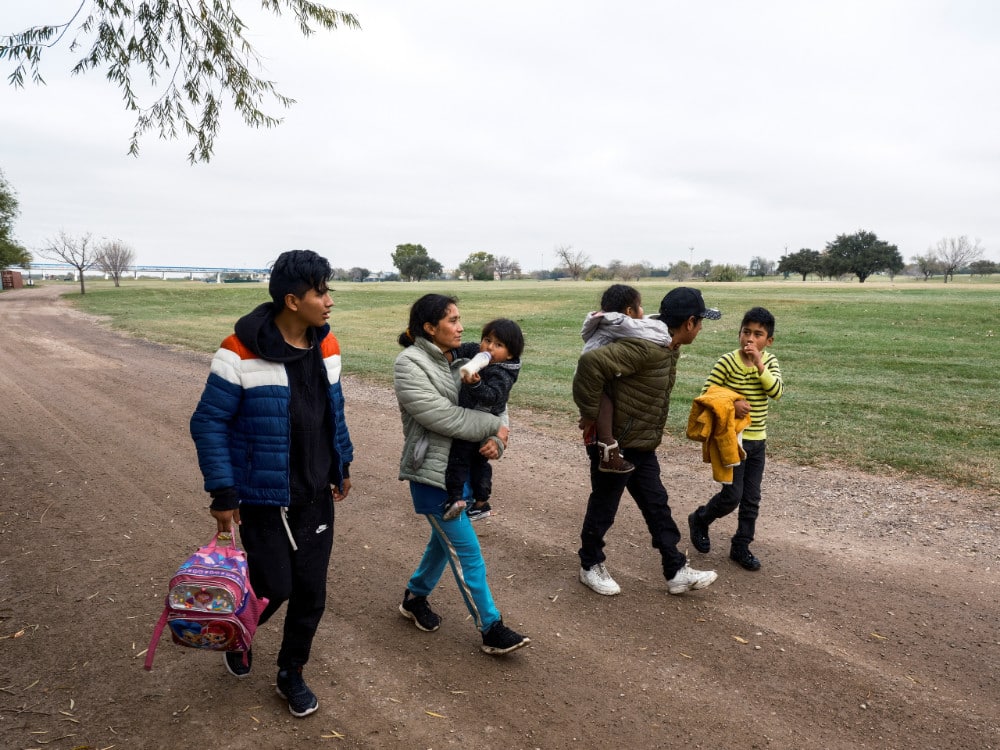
(431, 308)
(620, 297)
(508, 333)
(760, 315)
(296, 272)
(673, 322)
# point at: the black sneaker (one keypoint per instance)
(699, 533)
(417, 609)
(478, 511)
(291, 687)
(234, 663)
(745, 558)
(500, 639)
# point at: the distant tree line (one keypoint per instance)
(860, 254)
(863, 254)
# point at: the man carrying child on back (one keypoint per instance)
(638, 375)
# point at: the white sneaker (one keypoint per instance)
(689, 579)
(599, 579)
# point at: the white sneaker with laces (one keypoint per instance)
(689, 579)
(598, 579)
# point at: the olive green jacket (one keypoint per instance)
(638, 375)
(426, 387)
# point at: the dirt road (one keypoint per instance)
(873, 624)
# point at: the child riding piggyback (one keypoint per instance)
(620, 316)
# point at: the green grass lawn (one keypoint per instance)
(877, 375)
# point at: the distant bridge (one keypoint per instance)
(47, 269)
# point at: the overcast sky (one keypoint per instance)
(632, 131)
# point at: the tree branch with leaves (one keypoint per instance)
(12, 253)
(194, 51)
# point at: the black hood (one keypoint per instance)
(258, 332)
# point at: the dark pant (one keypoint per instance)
(283, 574)
(467, 464)
(646, 488)
(744, 493)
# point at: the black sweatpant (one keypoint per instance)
(467, 464)
(286, 575)
(650, 495)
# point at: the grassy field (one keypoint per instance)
(876, 375)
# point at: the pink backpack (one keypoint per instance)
(210, 604)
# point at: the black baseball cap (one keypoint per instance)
(685, 302)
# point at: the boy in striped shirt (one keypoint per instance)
(754, 373)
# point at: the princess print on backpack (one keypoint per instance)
(210, 603)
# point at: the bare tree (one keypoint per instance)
(760, 266)
(114, 257)
(928, 264)
(358, 274)
(954, 253)
(75, 251)
(626, 271)
(635, 271)
(506, 268)
(576, 262)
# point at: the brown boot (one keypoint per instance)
(612, 461)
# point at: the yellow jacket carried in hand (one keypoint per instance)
(713, 423)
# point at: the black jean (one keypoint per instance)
(467, 464)
(743, 493)
(286, 575)
(646, 488)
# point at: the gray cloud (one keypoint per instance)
(631, 133)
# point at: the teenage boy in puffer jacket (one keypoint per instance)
(275, 452)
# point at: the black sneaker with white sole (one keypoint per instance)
(291, 687)
(234, 663)
(500, 639)
(478, 511)
(417, 609)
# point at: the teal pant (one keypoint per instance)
(453, 543)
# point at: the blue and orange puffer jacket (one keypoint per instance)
(241, 426)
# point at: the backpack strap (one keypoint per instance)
(223, 536)
(157, 632)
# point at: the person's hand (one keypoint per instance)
(742, 408)
(226, 519)
(752, 355)
(340, 494)
(489, 449)
(470, 378)
(585, 423)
